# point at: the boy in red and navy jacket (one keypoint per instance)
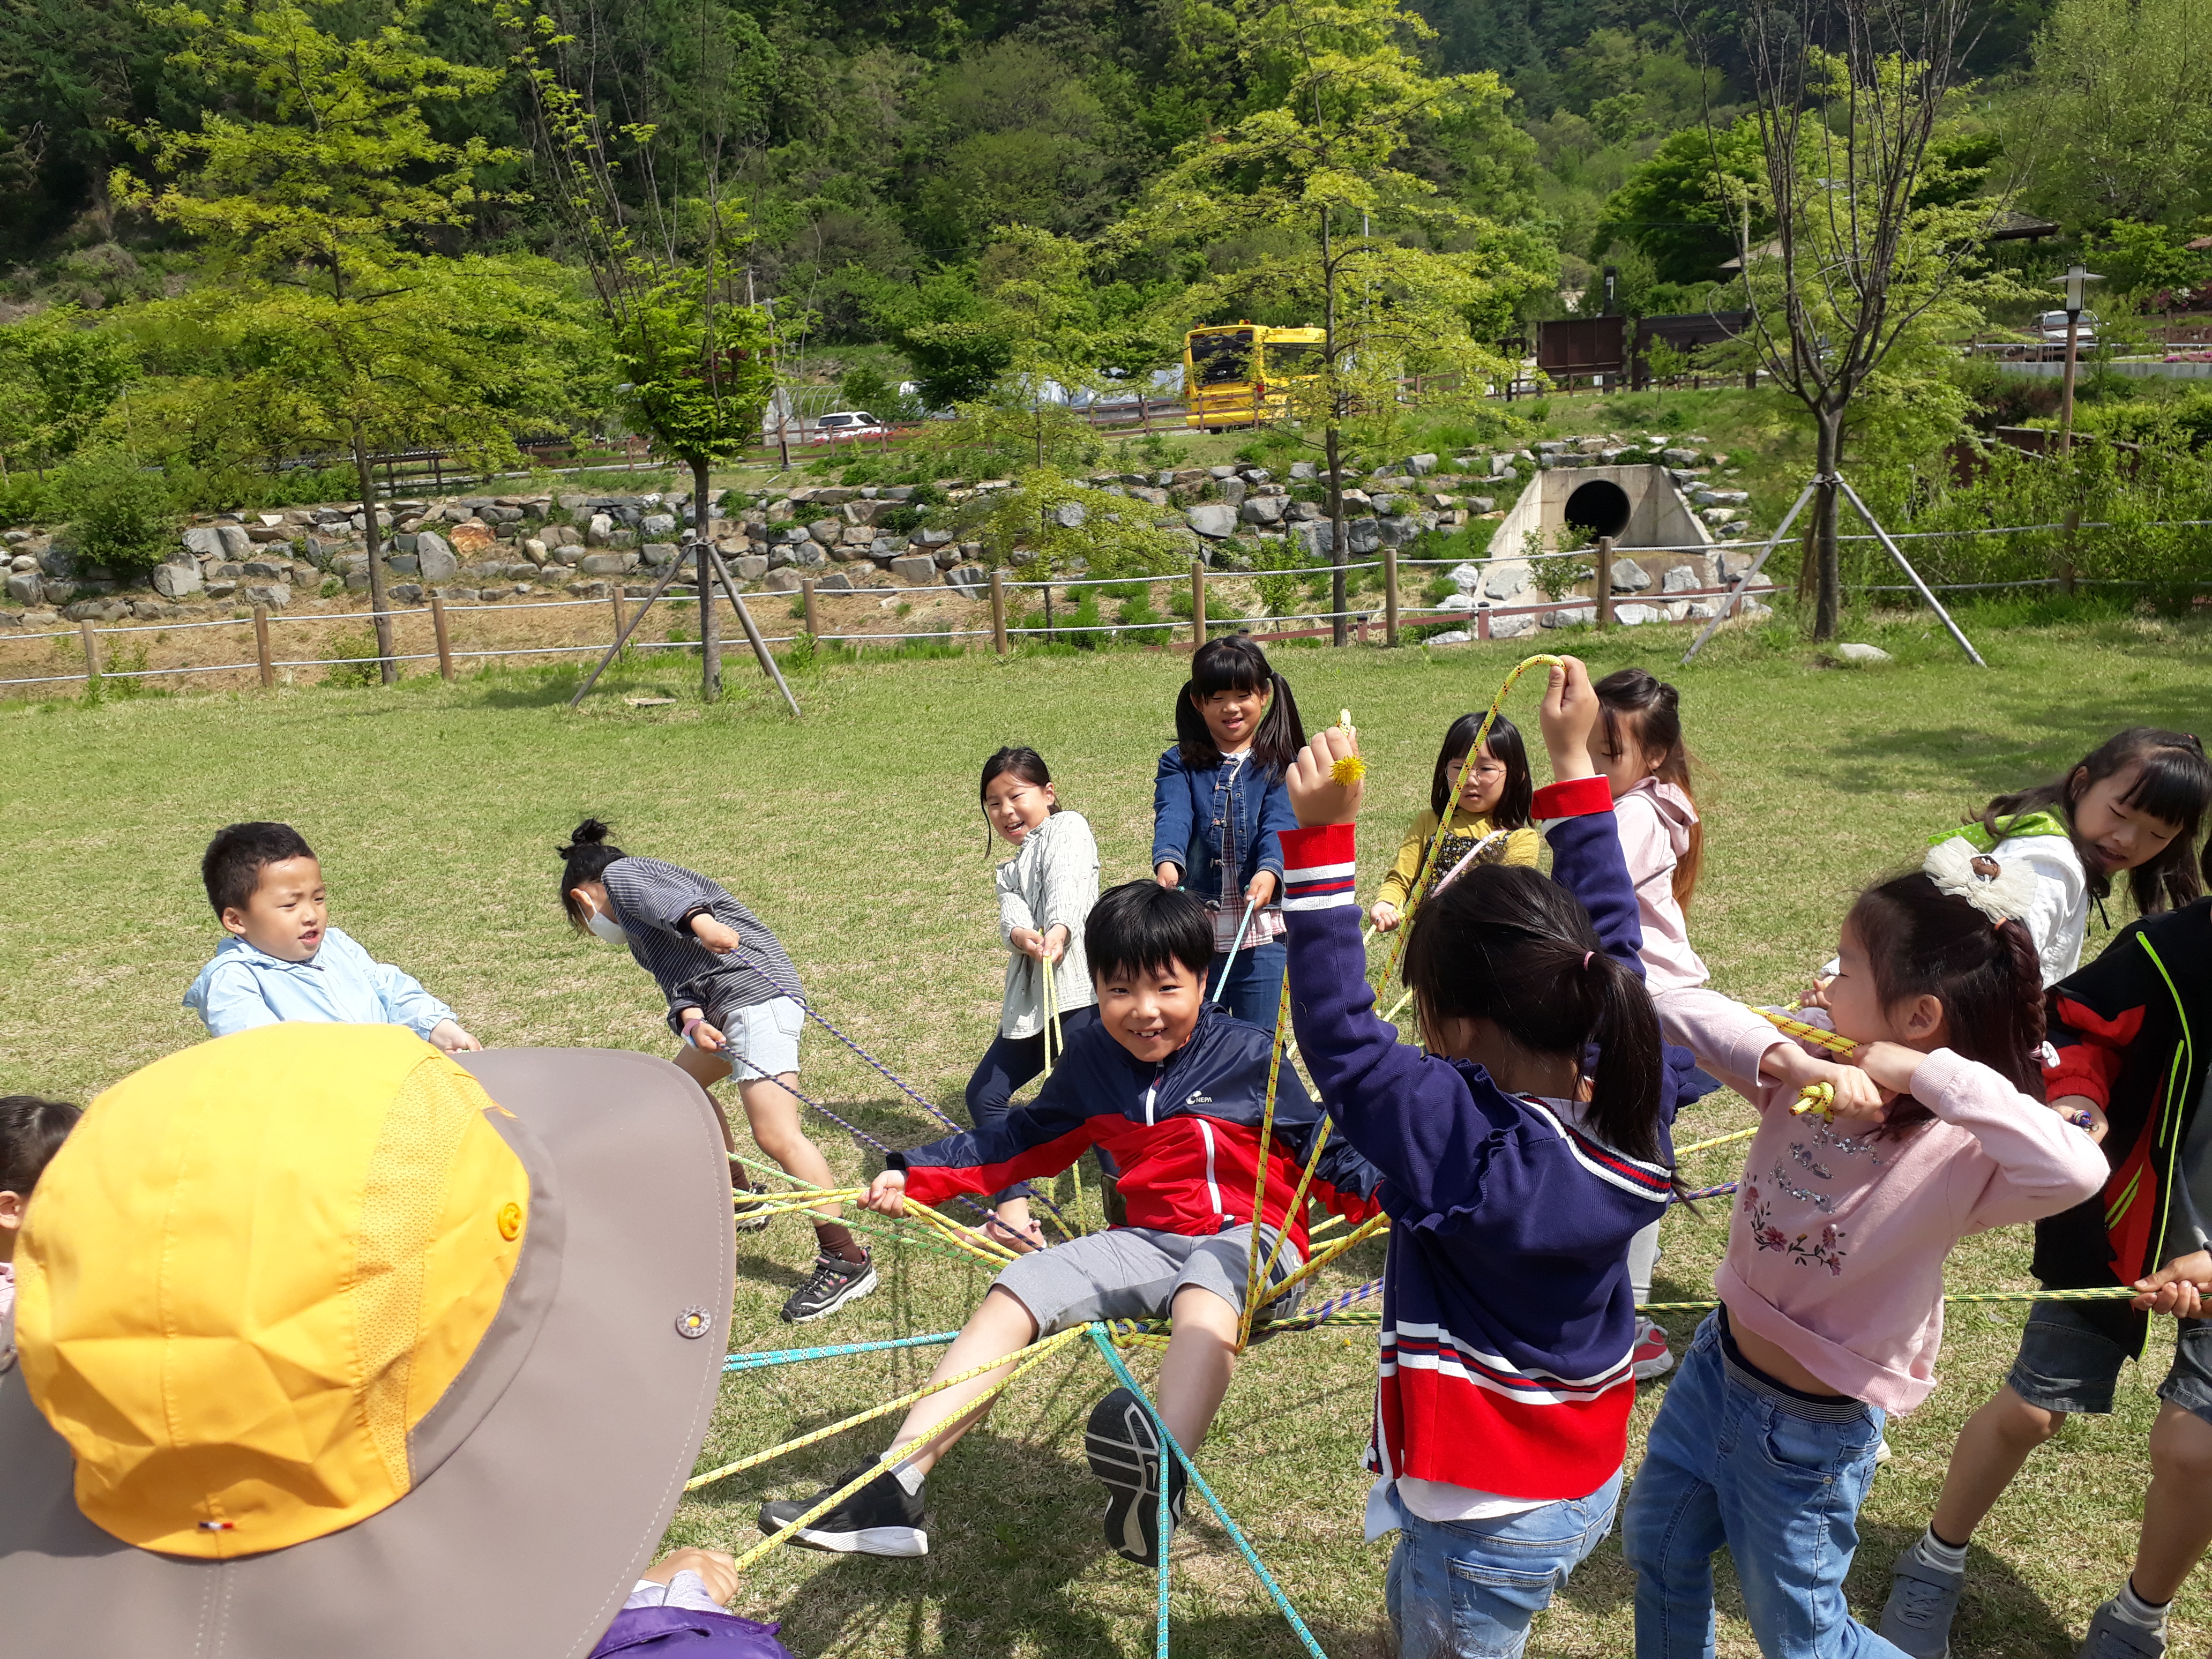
(1505, 1381)
(1175, 1090)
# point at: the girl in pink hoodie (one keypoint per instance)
(1637, 746)
(1831, 1291)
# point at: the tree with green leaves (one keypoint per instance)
(699, 360)
(317, 199)
(1343, 234)
(59, 373)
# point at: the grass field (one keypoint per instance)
(855, 833)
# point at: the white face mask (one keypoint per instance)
(606, 927)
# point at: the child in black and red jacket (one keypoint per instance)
(1514, 1178)
(2132, 1037)
(1174, 1090)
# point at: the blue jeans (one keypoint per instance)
(1466, 1589)
(1007, 1063)
(1255, 992)
(1778, 1480)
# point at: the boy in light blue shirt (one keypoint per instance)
(284, 961)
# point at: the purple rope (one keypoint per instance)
(1721, 1191)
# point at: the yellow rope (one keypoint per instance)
(1819, 1035)
(1291, 1215)
(1815, 1096)
(1056, 1041)
(1260, 1181)
(1040, 1351)
(1365, 1230)
(1418, 890)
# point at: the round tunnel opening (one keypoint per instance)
(1599, 507)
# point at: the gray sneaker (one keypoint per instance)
(2112, 1636)
(1922, 1600)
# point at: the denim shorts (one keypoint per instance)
(2066, 1363)
(1469, 1589)
(763, 1037)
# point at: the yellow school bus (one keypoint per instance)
(1239, 374)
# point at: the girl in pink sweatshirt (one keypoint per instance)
(1831, 1292)
(1636, 747)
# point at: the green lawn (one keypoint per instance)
(854, 832)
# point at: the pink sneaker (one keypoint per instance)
(1650, 1355)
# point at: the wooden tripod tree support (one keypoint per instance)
(711, 569)
(1736, 588)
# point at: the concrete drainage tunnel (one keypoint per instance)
(1600, 507)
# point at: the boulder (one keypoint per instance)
(1229, 489)
(1630, 577)
(604, 564)
(1392, 533)
(825, 531)
(932, 539)
(1635, 615)
(835, 582)
(1389, 505)
(1680, 578)
(1512, 628)
(1733, 565)
(747, 567)
(1467, 578)
(972, 580)
(1420, 465)
(25, 588)
(597, 529)
(1482, 503)
(1150, 496)
(660, 553)
(1213, 520)
(436, 557)
(175, 580)
(1267, 510)
(657, 523)
(1313, 537)
(1363, 536)
(784, 581)
(1218, 473)
(1573, 616)
(275, 595)
(1304, 472)
(809, 555)
(236, 544)
(1861, 653)
(1068, 515)
(1449, 636)
(204, 541)
(1508, 579)
(914, 569)
(405, 564)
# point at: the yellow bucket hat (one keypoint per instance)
(304, 1293)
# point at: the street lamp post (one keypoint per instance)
(2072, 281)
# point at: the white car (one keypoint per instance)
(2053, 325)
(846, 424)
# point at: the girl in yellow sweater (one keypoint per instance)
(1489, 800)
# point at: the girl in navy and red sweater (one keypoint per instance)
(1514, 1179)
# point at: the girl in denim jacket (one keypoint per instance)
(1217, 804)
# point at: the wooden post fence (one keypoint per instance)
(446, 638)
(91, 652)
(806, 603)
(998, 611)
(1197, 602)
(710, 629)
(1390, 595)
(1605, 581)
(261, 654)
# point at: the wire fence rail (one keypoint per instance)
(1509, 612)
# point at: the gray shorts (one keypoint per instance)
(1135, 1272)
(2066, 1363)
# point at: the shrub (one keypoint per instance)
(120, 516)
(354, 659)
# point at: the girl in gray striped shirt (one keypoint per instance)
(733, 998)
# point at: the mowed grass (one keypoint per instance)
(855, 833)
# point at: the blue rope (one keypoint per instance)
(1721, 1191)
(748, 1362)
(1167, 1534)
(1099, 1339)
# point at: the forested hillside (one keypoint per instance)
(875, 143)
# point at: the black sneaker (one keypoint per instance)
(834, 1282)
(1125, 1452)
(748, 1218)
(879, 1519)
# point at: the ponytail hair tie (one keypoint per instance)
(1587, 955)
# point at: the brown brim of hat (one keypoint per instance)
(526, 1539)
